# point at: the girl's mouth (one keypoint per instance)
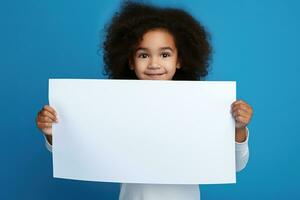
(154, 73)
(155, 76)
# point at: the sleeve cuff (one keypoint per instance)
(48, 145)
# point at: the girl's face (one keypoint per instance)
(156, 56)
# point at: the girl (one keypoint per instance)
(147, 42)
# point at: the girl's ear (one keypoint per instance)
(178, 66)
(130, 64)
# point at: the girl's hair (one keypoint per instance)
(126, 30)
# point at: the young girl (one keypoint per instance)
(147, 42)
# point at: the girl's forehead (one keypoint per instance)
(157, 39)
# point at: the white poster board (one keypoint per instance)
(141, 131)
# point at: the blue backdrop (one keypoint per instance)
(255, 43)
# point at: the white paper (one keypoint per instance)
(141, 131)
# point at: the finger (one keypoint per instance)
(44, 119)
(50, 109)
(238, 102)
(241, 107)
(241, 119)
(44, 125)
(240, 112)
(242, 103)
(45, 113)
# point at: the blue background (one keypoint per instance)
(255, 43)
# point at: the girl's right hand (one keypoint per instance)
(46, 116)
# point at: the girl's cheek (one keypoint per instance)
(141, 64)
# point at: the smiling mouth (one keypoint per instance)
(155, 74)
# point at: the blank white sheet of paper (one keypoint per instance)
(143, 131)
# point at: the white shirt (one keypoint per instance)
(132, 191)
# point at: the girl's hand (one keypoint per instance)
(242, 113)
(46, 116)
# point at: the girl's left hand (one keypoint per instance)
(242, 113)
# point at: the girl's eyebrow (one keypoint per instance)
(166, 48)
(142, 49)
(162, 48)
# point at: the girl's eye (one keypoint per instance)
(142, 55)
(165, 55)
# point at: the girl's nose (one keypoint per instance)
(154, 64)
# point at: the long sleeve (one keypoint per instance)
(48, 145)
(242, 154)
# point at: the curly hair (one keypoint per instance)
(126, 30)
